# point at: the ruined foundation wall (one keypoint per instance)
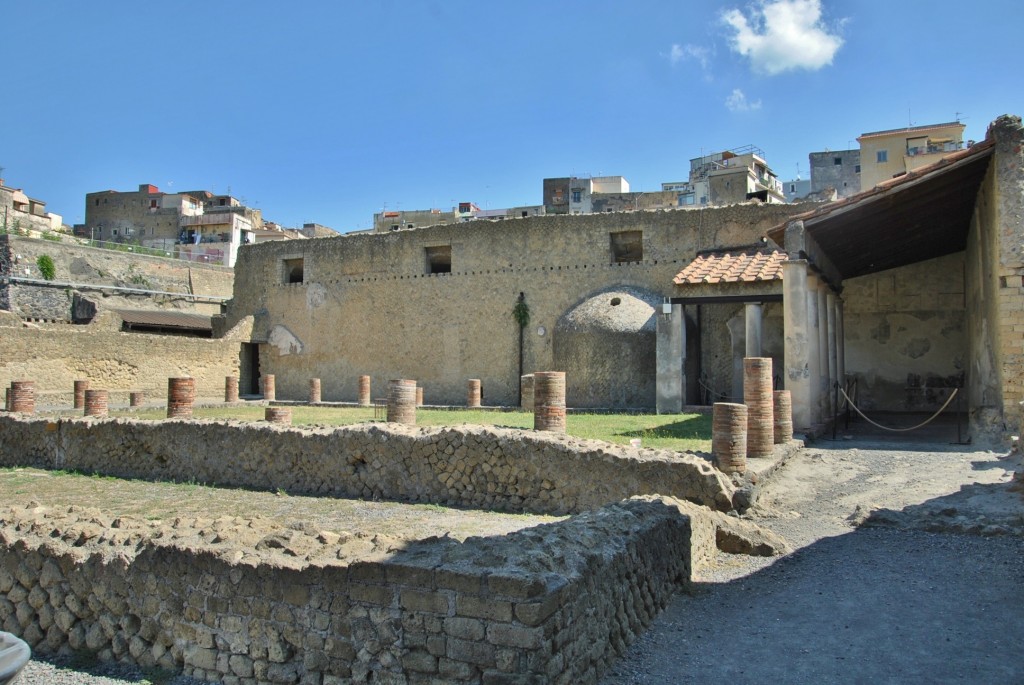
(475, 466)
(906, 334)
(368, 306)
(555, 603)
(54, 356)
(88, 266)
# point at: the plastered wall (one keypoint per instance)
(367, 305)
(906, 334)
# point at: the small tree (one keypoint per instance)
(46, 267)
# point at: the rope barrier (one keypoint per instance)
(901, 430)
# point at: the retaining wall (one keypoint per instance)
(475, 466)
(54, 356)
(555, 603)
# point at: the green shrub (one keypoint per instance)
(46, 267)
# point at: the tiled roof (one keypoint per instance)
(166, 319)
(746, 266)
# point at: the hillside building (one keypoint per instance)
(19, 212)
(887, 154)
(838, 169)
(200, 225)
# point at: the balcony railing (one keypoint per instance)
(930, 149)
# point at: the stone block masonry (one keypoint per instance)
(553, 604)
(473, 466)
(55, 357)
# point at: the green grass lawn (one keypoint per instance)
(681, 432)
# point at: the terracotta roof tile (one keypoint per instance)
(746, 266)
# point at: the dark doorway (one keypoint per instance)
(249, 382)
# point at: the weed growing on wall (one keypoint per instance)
(46, 267)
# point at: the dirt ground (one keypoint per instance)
(908, 568)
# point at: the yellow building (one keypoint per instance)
(885, 154)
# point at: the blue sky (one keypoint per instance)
(330, 111)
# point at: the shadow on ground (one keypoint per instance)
(870, 606)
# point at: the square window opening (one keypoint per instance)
(294, 270)
(439, 259)
(627, 246)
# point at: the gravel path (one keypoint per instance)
(889, 604)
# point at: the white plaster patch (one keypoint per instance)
(316, 294)
(284, 340)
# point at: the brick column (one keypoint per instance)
(549, 401)
(473, 393)
(402, 402)
(181, 393)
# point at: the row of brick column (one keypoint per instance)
(751, 429)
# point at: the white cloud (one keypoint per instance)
(780, 35)
(701, 56)
(737, 102)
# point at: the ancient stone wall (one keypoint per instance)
(368, 306)
(474, 466)
(555, 603)
(82, 269)
(56, 355)
(906, 334)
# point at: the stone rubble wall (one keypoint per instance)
(54, 356)
(551, 604)
(476, 466)
(90, 266)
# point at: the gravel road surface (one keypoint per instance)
(902, 598)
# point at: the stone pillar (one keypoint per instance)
(419, 395)
(269, 387)
(96, 403)
(782, 412)
(753, 322)
(840, 345)
(825, 396)
(281, 415)
(314, 390)
(364, 391)
(136, 399)
(80, 388)
(796, 376)
(549, 401)
(757, 395)
(231, 388)
(181, 392)
(23, 397)
(670, 348)
(729, 436)
(814, 348)
(473, 391)
(833, 351)
(526, 392)
(402, 402)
